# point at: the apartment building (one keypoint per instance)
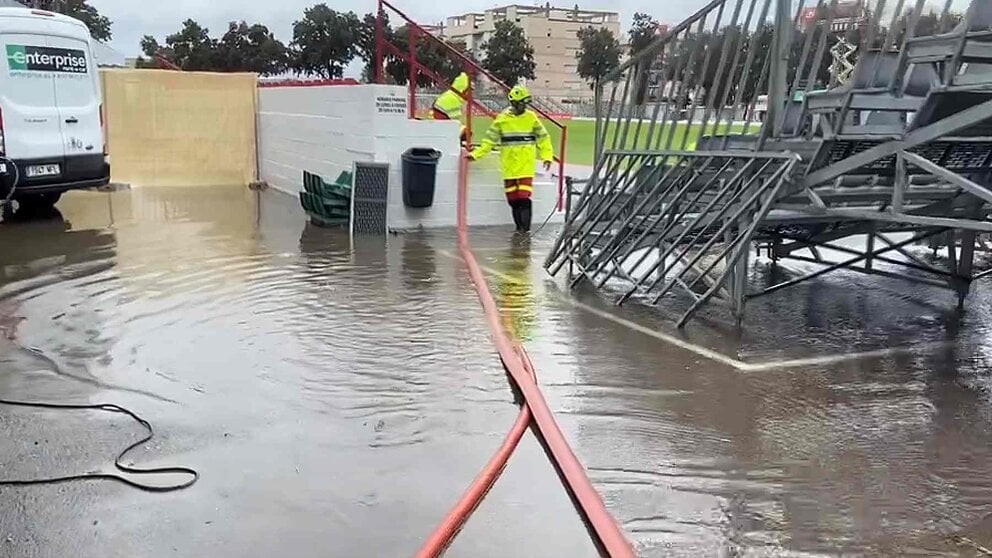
(847, 16)
(551, 31)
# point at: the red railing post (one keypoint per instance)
(415, 32)
(413, 70)
(561, 170)
(380, 36)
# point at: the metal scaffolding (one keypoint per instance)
(730, 132)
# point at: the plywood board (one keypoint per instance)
(169, 128)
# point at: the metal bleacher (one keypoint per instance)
(679, 196)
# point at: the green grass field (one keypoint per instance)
(581, 136)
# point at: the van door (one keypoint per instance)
(77, 95)
(31, 119)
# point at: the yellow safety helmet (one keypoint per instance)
(519, 94)
(460, 84)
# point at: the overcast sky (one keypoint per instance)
(160, 18)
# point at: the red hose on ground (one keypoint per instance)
(517, 363)
(446, 532)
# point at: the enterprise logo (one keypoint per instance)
(46, 59)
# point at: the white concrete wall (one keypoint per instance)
(324, 130)
(440, 135)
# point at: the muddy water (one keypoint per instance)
(336, 396)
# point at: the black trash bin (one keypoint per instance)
(419, 176)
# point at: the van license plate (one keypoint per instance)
(35, 171)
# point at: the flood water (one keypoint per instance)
(337, 396)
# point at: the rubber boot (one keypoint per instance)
(515, 210)
(526, 209)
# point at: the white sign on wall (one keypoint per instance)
(390, 104)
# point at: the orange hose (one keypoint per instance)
(449, 528)
(517, 363)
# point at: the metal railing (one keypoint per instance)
(668, 200)
(416, 33)
(733, 128)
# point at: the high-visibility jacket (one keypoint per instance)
(522, 140)
(450, 102)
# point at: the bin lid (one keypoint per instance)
(422, 153)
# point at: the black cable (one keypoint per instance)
(110, 408)
(13, 187)
(554, 209)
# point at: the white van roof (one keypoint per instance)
(35, 14)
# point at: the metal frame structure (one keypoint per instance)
(415, 32)
(684, 185)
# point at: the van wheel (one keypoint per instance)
(37, 203)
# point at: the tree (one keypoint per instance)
(509, 55)
(190, 49)
(366, 42)
(99, 24)
(244, 48)
(152, 49)
(598, 55)
(325, 41)
(430, 54)
(642, 31)
(252, 48)
(150, 46)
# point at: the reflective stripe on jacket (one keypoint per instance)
(518, 188)
(522, 140)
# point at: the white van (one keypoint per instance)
(51, 111)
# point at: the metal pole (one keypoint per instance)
(952, 254)
(561, 169)
(380, 36)
(412, 38)
(901, 180)
(777, 85)
(598, 123)
(740, 103)
(568, 212)
(869, 249)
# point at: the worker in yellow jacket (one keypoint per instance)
(522, 140)
(448, 105)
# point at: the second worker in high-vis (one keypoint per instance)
(522, 141)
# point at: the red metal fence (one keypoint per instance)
(384, 48)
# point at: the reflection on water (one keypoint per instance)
(339, 393)
(513, 283)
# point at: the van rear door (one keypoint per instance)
(77, 95)
(32, 123)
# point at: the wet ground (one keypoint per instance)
(337, 396)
